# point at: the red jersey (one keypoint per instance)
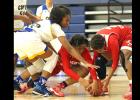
(67, 60)
(114, 37)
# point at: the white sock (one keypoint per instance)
(130, 81)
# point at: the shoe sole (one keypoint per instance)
(55, 92)
(106, 93)
(36, 93)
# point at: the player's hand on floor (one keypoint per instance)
(105, 83)
(90, 79)
(93, 88)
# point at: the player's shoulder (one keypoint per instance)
(55, 26)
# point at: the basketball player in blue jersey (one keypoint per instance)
(43, 11)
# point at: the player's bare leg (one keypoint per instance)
(82, 71)
(128, 70)
(36, 67)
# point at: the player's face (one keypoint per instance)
(65, 21)
(102, 50)
(81, 48)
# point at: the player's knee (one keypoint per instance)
(127, 54)
(80, 70)
(33, 69)
(37, 67)
(85, 72)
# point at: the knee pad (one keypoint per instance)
(123, 61)
(36, 67)
(50, 62)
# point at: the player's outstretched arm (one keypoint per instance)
(73, 52)
(32, 17)
(24, 18)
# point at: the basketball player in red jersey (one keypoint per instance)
(68, 64)
(112, 42)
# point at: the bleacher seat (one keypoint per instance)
(92, 2)
(77, 19)
(75, 28)
(77, 2)
(78, 10)
(106, 12)
(77, 23)
(106, 21)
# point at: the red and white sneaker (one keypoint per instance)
(57, 91)
(23, 87)
(128, 95)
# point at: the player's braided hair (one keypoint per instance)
(78, 40)
(57, 13)
(97, 42)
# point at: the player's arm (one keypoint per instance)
(60, 35)
(24, 18)
(73, 52)
(93, 75)
(32, 17)
(114, 46)
(86, 55)
(49, 4)
(65, 58)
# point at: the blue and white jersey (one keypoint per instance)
(29, 42)
(43, 12)
(45, 29)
